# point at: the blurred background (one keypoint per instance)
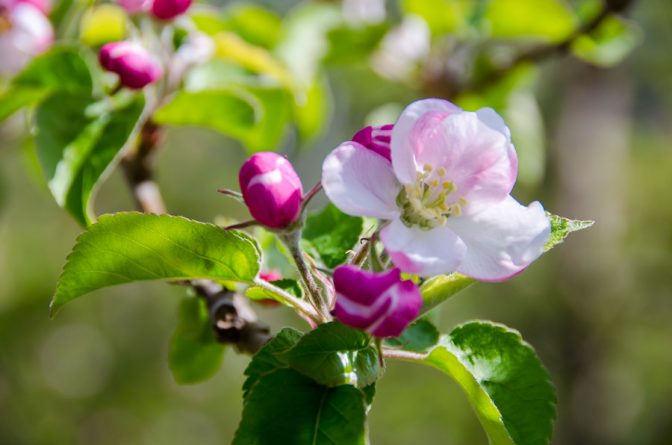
(593, 133)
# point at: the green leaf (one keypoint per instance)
(503, 379)
(127, 247)
(562, 227)
(334, 354)
(609, 44)
(269, 357)
(255, 24)
(349, 44)
(287, 284)
(312, 108)
(330, 234)
(77, 146)
(255, 116)
(438, 289)
(195, 354)
(546, 20)
(418, 337)
(63, 68)
(286, 407)
(442, 16)
(101, 24)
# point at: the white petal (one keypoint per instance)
(501, 240)
(493, 120)
(423, 252)
(403, 157)
(360, 182)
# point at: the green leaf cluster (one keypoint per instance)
(330, 234)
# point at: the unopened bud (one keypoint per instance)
(169, 9)
(135, 67)
(376, 139)
(271, 189)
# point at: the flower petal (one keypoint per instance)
(501, 240)
(478, 159)
(402, 145)
(423, 252)
(405, 303)
(360, 182)
(493, 120)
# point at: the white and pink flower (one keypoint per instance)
(161, 9)
(446, 192)
(25, 32)
(380, 303)
(271, 189)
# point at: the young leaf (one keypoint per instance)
(195, 354)
(287, 407)
(77, 148)
(127, 247)
(334, 354)
(609, 44)
(330, 234)
(287, 284)
(562, 227)
(419, 336)
(438, 289)
(255, 116)
(269, 357)
(63, 68)
(503, 379)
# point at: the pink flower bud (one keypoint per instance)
(271, 275)
(271, 189)
(134, 6)
(380, 303)
(376, 139)
(169, 9)
(135, 67)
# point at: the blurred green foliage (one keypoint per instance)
(98, 373)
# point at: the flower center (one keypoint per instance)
(430, 201)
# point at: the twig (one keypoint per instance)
(298, 304)
(242, 225)
(310, 195)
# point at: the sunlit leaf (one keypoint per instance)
(63, 68)
(77, 145)
(127, 247)
(287, 407)
(334, 354)
(195, 354)
(562, 227)
(101, 24)
(503, 379)
(549, 20)
(256, 116)
(609, 44)
(287, 284)
(330, 234)
(438, 289)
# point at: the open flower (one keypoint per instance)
(381, 303)
(161, 9)
(25, 32)
(446, 192)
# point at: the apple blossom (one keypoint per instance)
(134, 6)
(446, 193)
(25, 32)
(376, 139)
(381, 303)
(271, 189)
(135, 66)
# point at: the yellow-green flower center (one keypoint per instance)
(425, 202)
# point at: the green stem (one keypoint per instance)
(291, 240)
(406, 356)
(290, 299)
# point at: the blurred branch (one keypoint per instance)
(232, 318)
(450, 89)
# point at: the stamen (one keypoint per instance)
(427, 168)
(448, 186)
(441, 171)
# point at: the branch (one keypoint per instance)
(232, 318)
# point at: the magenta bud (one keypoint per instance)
(376, 139)
(135, 67)
(380, 303)
(169, 9)
(271, 189)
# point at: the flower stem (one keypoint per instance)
(406, 356)
(290, 299)
(310, 195)
(291, 240)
